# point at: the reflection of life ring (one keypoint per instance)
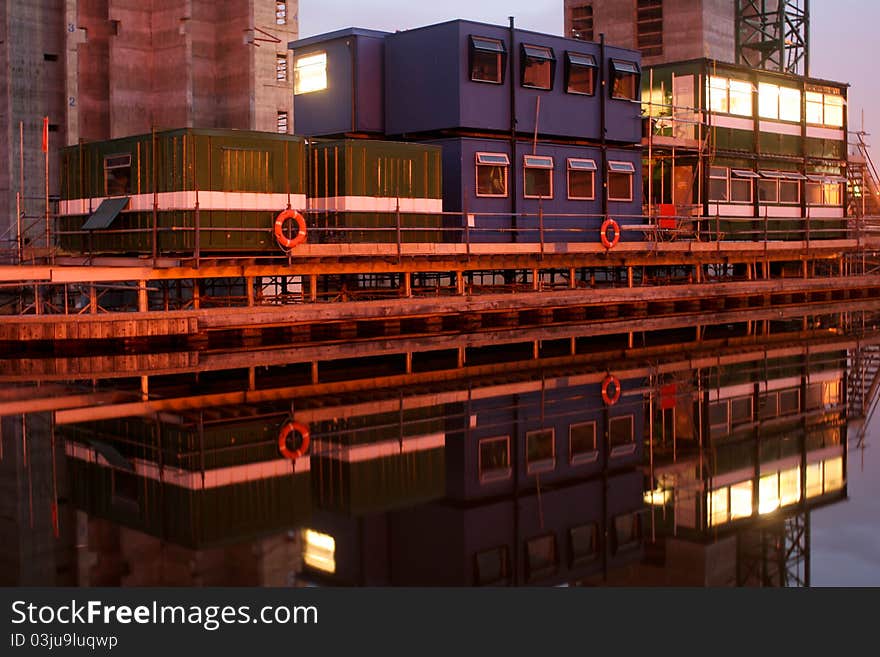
(286, 430)
(603, 233)
(299, 238)
(610, 379)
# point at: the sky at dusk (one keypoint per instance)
(844, 38)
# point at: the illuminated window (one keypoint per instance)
(117, 175)
(487, 57)
(538, 65)
(582, 22)
(719, 508)
(283, 126)
(280, 13)
(281, 68)
(310, 73)
(492, 567)
(815, 112)
(491, 171)
(624, 80)
(537, 176)
(824, 109)
(768, 493)
(583, 543)
(814, 479)
(620, 181)
(582, 443)
(741, 500)
(790, 486)
(541, 558)
(581, 179)
(729, 96)
(718, 99)
(775, 102)
(740, 98)
(824, 190)
(540, 451)
(494, 454)
(649, 27)
(833, 474)
(833, 110)
(320, 551)
(580, 73)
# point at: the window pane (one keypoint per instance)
(541, 555)
(619, 186)
(581, 79)
(814, 107)
(789, 104)
(117, 175)
(834, 110)
(833, 194)
(718, 414)
(491, 566)
(767, 191)
(717, 189)
(625, 85)
(768, 493)
(768, 100)
(620, 431)
(584, 543)
(789, 402)
(537, 73)
(790, 486)
(581, 185)
(814, 479)
(741, 410)
(789, 192)
(582, 440)
(718, 94)
(740, 190)
(833, 474)
(491, 180)
(310, 73)
(486, 66)
(494, 458)
(814, 193)
(540, 450)
(626, 531)
(740, 98)
(741, 500)
(718, 506)
(538, 183)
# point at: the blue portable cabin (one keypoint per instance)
(338, 83)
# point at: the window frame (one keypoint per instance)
(500, 52)
(108, 167)
(590, 456)
(627, 448)
(765, 102)
(547, 57)
(286, 117)
(505, 167)
(569, 168)
(547, 164)
(587, 19)
(588, 63)
(499, 474)
(281, 12)
(545, 464)
(282, 66)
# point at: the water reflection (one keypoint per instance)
(622, 459)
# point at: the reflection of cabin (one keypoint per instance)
(188, 496)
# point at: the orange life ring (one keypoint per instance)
(286, 430)
(610, 401)
(283, 240)
(603, 233)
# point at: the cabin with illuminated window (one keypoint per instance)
(540, 134)
(761, 154)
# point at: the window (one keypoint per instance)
(789, 401)
(729, 96)
(719, 506)
(780, 187)
(775, 102)
(730, 185)
(583, 543)
(281, 13)
(320, 551)
(537, 176)
(487, 60)
(627, 531)
(281, 68)
(541, 557)
(582, 22)
(620, 433)
(538, 66)
(540, 451)
(824, 190)
(310, 73)
(117, 175)
(741, 500)
(492, 174)
(620, 181)
(282, 122)
(494, 458)
(824, 108)
(581, 179)
(718, 416)
(582, 443)
(790, 486)
(718, 184)
(580, 73)
(492, 567)
(740, 411)
(649, 27)
(624, 80)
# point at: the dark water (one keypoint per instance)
(732, 457)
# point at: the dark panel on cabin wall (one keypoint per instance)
(370, 83)
(421, 79)
(622, 117)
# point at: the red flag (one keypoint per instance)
(45, 134)
(667, 396)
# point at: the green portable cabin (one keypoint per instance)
(218, 190)
(358, 188)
